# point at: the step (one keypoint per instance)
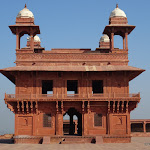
(72, 142)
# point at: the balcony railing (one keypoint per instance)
(71, 96)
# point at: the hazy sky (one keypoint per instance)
(77, 24)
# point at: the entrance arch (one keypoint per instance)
(71, 126)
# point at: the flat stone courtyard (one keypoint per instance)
(138, 143)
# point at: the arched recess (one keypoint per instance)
(118, 42)
(23, 41)
(72, 122)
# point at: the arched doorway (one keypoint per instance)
(72, 122)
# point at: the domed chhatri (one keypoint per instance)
(25, 13)
(104, 38)
(36, 38)
(117, 12)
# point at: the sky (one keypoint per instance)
(77, 24)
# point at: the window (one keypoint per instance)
(97, 86)
(46, 120)
(97, 119)
(47, 87)
(72, 86)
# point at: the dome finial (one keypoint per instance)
(116, 5)
(25, 6)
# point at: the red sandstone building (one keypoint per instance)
(91, 85)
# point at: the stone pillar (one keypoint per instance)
(17, 41)
(124, 47)
(126, 37)
(59, 124)
(32, 42)
(112, 41)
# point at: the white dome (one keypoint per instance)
(104, 38)
(36, 38)
(117, 12)
(25, 13)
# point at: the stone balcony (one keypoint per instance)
(73, 97)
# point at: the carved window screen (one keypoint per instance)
(97, 119)
(46, 120)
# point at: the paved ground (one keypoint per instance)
(138, 143)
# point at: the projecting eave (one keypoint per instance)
(108, 29)
(8, 75)
(11, 71)
(25, 26)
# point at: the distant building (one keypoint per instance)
(93, 85)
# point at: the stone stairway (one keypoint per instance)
(73, 139)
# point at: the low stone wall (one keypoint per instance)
(27, 139)
(116, 139)
(140, 134)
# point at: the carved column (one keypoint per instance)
(17, 41)
(31, 39)
(112, 41)
(126, 37)
(124, 46)
(59, 121)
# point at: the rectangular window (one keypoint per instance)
(97, 86)
(47, 87)
(97, 119)
(72, 86)
(46, 120)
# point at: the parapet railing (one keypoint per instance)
(71, 96)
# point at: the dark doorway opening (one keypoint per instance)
(73, 124)
(148, 127)
(47, 87)
(97, 86)
(72, 87)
